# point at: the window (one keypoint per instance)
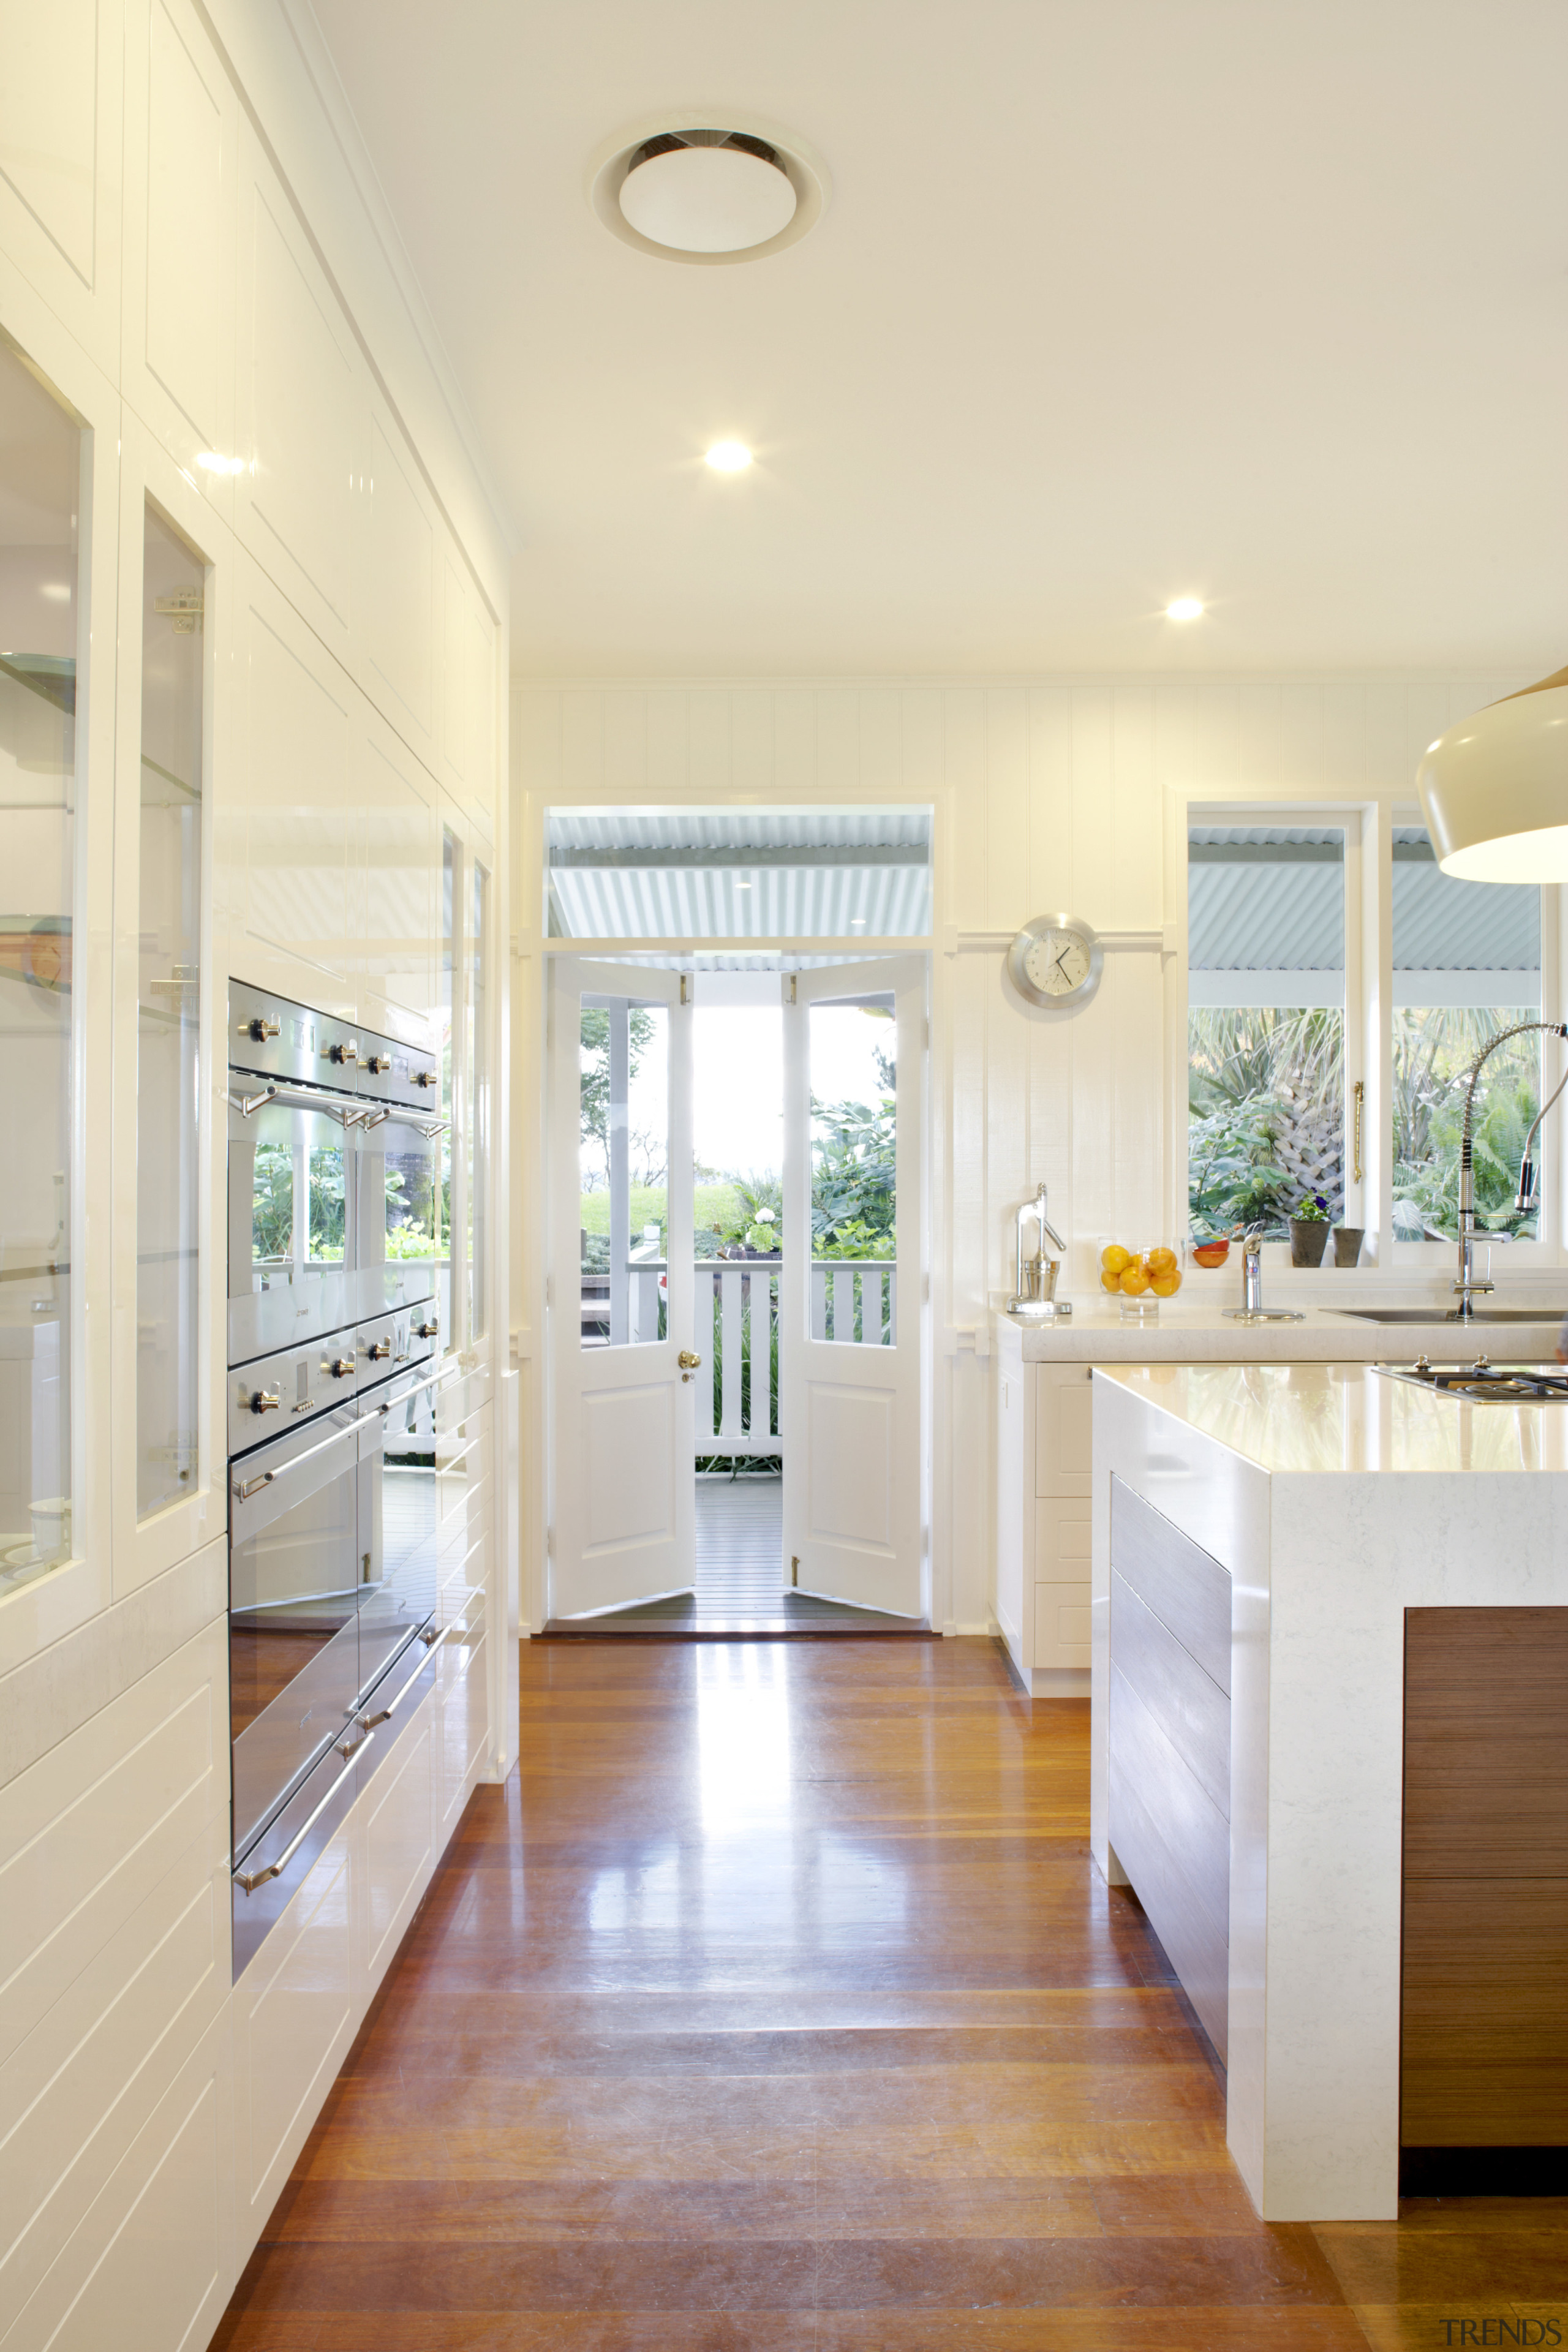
(1265, 1023)
(40, 472)
(1467, 964)
(167, 1026)
(1312, 1083)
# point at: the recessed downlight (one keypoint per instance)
(729, 457)
(1184, 608)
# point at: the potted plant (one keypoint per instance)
(1309, 1230)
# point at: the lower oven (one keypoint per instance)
(332, 1583)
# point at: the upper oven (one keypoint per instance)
(333, 1174)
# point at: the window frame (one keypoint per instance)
(1369, 826)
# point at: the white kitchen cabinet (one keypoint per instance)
(183, 121)
(1043, 1489)
(61, 162)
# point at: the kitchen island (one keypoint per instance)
(1041, 1376)
(1277, 1550)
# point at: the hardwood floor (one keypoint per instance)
(780, 2005)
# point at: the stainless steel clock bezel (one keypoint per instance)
(1032, 933)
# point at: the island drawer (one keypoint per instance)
(1185, 1586)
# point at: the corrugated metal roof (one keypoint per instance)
(742, 882)
(1259, 914)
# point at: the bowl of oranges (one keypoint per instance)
(1139, 1278)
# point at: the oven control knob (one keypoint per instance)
(264, 1401)
(378, 1064)
(427, 1077)
(258, 1029)
(349, 1053)
(377, 1350)
(341, 1368)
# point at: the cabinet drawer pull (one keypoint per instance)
(251, 1879)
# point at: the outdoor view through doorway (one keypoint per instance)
(683, 1087)
(738, 1326)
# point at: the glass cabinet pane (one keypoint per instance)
(167, 1018)
(451, 861)
(477, 1124)
(40, 473)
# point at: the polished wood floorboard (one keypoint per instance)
(778, 2004)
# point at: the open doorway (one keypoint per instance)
(739, 1338)
(736, 1162)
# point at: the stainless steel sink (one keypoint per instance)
(1447, 1315)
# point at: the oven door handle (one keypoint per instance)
(418, 1388)
(346, 1108)
(384, 1715)
(251, 1879)
(246, 1487)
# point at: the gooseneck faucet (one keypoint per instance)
(1252, 1271)
(1467, 1285)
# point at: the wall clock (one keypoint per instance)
(1056, 960)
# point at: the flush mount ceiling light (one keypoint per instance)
(728, 457)
(1184, 608)
(708, 189)
(1494, 789)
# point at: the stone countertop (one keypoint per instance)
(1305, 1419)
(1195, 1329)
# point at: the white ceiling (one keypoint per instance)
(1114, 300)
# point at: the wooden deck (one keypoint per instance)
(779, 2005)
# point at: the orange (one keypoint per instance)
(1114, 1257)
(1109, 1281)
(1165, 1286)
(1134, 1279)
(1162, 1260)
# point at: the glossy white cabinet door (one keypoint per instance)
(182, 146)
(61, 162)
(303, 411)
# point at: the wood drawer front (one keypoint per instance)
(1486, 1764)
(1187, 1590)
(1188, 1705)
(1484, 2031)
(1197, 1948)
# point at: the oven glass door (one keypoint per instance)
(296, 1588)
(291, 1240)
(399, 1222)
(397, 1526)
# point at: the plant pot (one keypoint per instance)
(1309, 1240)
(1348, 1240)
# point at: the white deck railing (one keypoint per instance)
(854, 1302)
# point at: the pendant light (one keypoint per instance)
(1494, 789)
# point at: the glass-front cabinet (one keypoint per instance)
(41, 457)
(168, 1032)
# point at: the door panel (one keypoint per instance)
(850, 1324)
(623, 1518)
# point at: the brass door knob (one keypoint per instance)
(687, 1361)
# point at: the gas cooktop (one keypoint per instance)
(1482, 1382)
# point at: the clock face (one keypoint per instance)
(1057, 963)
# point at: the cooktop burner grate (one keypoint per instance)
(1482, 1382)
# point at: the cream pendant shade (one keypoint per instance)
(1494, 789)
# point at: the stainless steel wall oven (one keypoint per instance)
(333, 1350)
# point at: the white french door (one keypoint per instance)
(623, 1509)
(850, 1339)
